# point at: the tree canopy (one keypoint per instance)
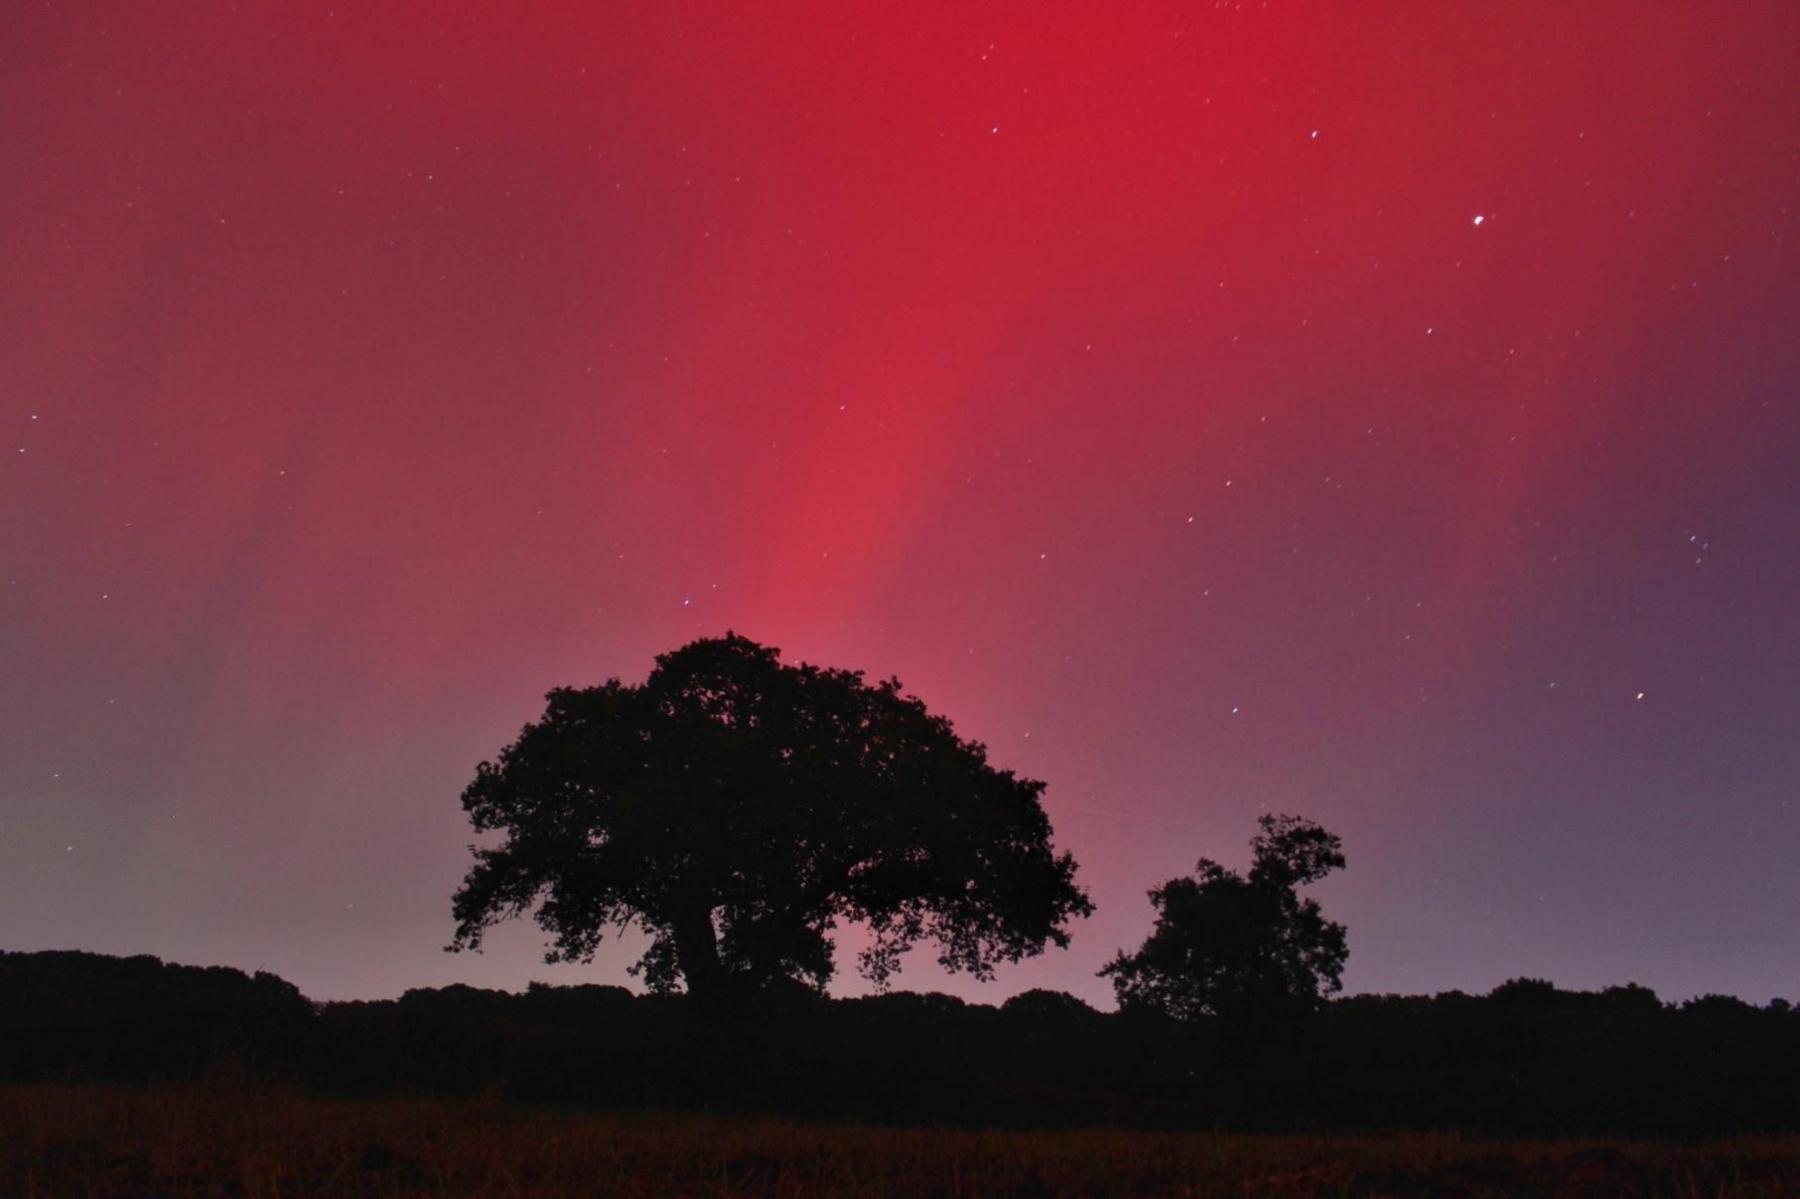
(1241, 945)
(737, 808)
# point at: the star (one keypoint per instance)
(1479, 219)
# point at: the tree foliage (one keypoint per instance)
(737, 808)
(1240, 945)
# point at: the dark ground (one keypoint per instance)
(258, 1142)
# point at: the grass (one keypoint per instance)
(272, 1143)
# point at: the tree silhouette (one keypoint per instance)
(736, 808)
(1240, 945)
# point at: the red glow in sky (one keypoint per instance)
(1386, 416)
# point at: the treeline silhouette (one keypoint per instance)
(1526, 1058)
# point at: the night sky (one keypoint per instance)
(1388, 417)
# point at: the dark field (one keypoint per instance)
(228, 1140)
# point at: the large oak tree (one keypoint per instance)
(737, 808)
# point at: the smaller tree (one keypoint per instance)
(1237, 945)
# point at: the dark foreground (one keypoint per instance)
(1525, 1061)
(213, 1139)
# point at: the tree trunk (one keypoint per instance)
(697, 953)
